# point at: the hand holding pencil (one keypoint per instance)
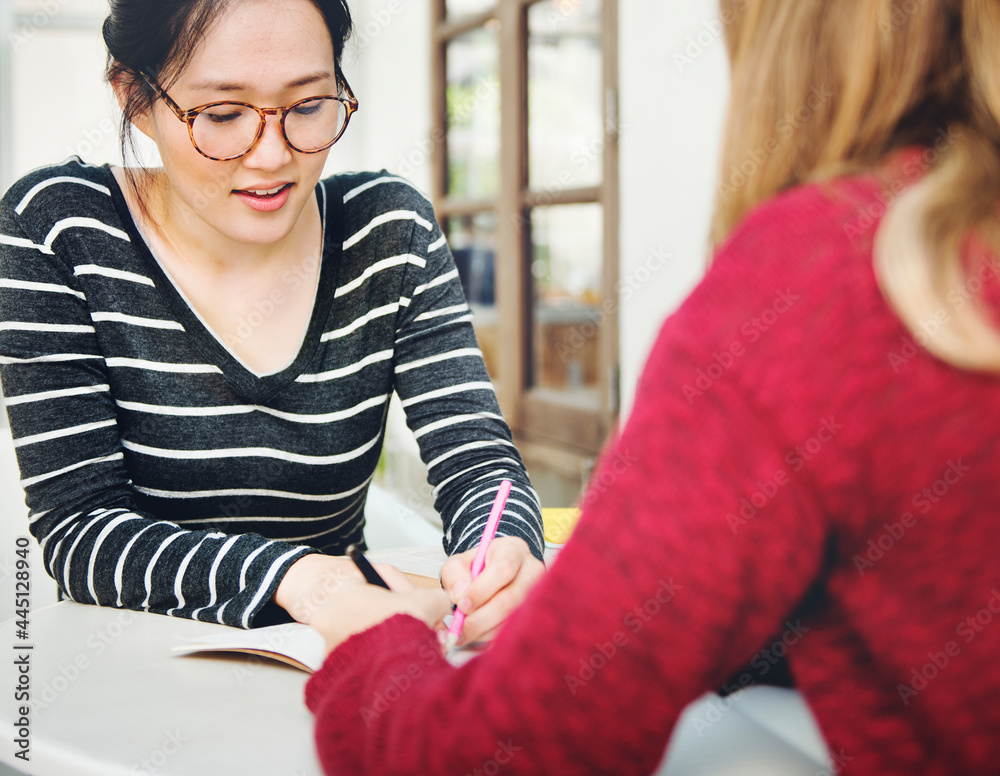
(505, 572)
(458, 618)
(509, 573)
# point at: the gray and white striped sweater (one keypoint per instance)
(160, 472)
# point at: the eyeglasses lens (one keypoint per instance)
(229, 129)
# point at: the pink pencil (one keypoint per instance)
(458, 618)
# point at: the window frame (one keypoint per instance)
(537, 416)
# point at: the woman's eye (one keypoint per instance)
(223, 116)
(309, 109)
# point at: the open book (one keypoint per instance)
(301, 646)
(291, 643)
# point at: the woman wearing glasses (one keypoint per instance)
(197, 358)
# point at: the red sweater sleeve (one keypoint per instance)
(665, 589)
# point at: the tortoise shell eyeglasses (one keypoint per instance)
(226, 130)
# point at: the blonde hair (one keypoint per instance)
(822, 88)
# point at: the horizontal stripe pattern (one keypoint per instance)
(78, 222)
(157, 478)
(49, 288)
(52, 182)
(110, 272)
(136, 320)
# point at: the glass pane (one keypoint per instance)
(566, 263)
(473, 244)
(473, 104)
(467, 7)
(565, 95)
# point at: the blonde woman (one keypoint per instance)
(832, 480)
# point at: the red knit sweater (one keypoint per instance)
(795, 471)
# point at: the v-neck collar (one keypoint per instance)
(253, 387)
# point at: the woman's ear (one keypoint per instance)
(124, 85)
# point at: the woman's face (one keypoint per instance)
(268, 53)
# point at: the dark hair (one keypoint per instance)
(158, 37)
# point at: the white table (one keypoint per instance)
(109, 699)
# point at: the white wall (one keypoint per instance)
(6, 104)
(387, 63)
(674, 85)
(54, 87)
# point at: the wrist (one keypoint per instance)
(307, 582)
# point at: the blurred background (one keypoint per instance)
(569, 147)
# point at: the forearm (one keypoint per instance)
(653, 602)
(122, 558)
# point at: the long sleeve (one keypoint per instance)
(654, 601)
(450, 403)
(798, 479)
(96, 543)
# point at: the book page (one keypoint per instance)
(291, 643)
(417, 561)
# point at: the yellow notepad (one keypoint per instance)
(559, 524)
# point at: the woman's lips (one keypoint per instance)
(265, 200)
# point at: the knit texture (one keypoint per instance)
(797, 476)
(160, 472)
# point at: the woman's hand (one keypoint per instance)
(510, 572)
(354, 606)
(312, 578)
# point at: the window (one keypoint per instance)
(525, 184)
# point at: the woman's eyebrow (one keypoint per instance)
(229, 86)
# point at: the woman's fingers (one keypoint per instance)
(395, 578)
(355, 607)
